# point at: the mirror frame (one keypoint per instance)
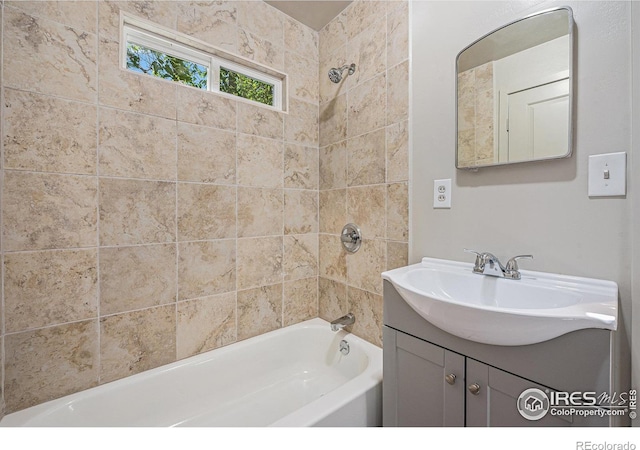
(571, 25)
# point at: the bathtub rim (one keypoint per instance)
(305, 416)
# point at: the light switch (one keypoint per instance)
(608, 175)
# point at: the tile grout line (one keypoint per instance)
(2, 271)
(176, 231)
(97, 174)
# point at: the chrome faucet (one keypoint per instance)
(489, 264)
(342, 322)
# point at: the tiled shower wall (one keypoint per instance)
(363, 158)
(142, 221)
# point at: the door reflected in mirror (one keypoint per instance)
(514, 93)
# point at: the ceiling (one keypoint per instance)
(313, 13)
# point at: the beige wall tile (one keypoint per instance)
(333, 210)
(206, 211)
(260, 50)
(333, 120)
(137, 212)
(300, 211)
(366, 159)
(260, 212)
(203, 108)
(367, 308)
(260, 161)
(300, 39)
(301, 124)
(369, 52)
(397, 255)
(397, 34)
(300, 167)
(49, 363)
(262, 19)
(333, 166)
(259, 261)
(211, 21)
(366, 208)
(367, 106)
(362, 14)
(398, 93)
(137, 277)
(467, 112)
(303, 82)
(397, 137)
(126, 90)
(300, 301)
(136, 145)
(332, 36)
(260, 121)
(332, 258)
(62, 211)
(136, 341)
(206, 155)
(466, 83)
(66, 58)
(300, 256)
(205, 324)
(466, 150)
(206, 268)
(160, 12)
(484, 77)
(80, 15)
(398, 212)
(259, 310)
(49, 288)
(365, 266)
(332, 299)
(48, 134)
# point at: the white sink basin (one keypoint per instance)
(499, 311)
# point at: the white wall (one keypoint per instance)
(635, 167)
(538, 208)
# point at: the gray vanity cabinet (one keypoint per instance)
(416, 391)
(426, 385)
(429, 375)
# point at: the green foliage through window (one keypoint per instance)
(246, 87)
(157, 63)
(145, 60)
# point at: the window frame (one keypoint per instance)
(175, 44)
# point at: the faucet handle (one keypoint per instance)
(511, 268)
(479, 264)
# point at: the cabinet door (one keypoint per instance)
(423, 384)
(494, 404)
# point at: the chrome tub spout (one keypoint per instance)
(342, 322)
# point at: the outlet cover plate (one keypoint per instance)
(442, 194)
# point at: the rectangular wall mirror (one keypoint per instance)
(514, 93)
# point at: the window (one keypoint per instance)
(157, 54)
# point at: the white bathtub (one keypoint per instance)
(295, 376)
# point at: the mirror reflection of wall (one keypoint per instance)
(513, 93)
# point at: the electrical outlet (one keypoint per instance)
(442, 194)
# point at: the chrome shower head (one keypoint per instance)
(335, 75)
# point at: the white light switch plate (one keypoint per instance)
(608, 175)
